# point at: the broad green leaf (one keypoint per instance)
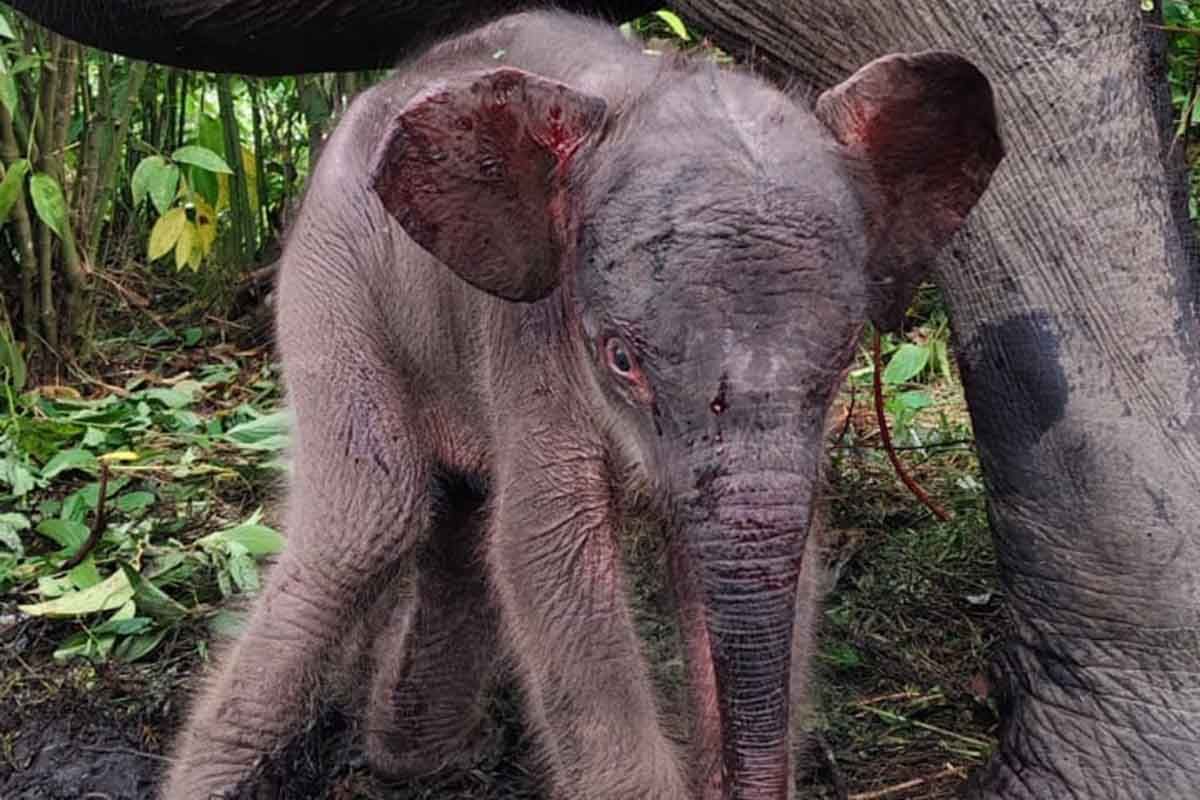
(109, 594)
(85, 575)
(242, 569)
(10, 187)
(69, 459)
(158, 179)
(8, 94)
(915, 401)
(171, 397)
(674, 23)
(258, 540)
(67, 533)
(150, 599)
(11, 525)
(166, 232)
(201, 157)
(134, 502)
(19, 478)
(6, 30)
(139, 646)
(906, 363)
(84, 645)
(49, 203)
(268, 432)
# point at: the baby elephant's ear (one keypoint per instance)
(474, 169)
(920, 132)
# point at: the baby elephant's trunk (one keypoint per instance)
(745, 539)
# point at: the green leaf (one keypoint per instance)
(85, 575)
(906, 363)
(67, 533)
(11, 525)
(158, 179)
(171, 398)
(915, 401)
(134, 502)
(139, 646)
(19, 477)
(107, 595)
(242, 568)
(10, 187)
(258, 540)
(201, 157)
(8, 93)
(674, 23)
(49, 203)
(69, 459)
(6, 30)
(152, 600)
(268, 432)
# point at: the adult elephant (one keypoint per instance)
(1073, 292)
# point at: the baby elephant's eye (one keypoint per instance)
(619, 359)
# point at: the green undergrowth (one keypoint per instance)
(183, 436)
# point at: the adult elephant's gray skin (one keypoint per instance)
(1072, 288)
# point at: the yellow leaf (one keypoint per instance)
(222, 192)
(183, 246)
(119, 455)
(206, 226)
(196, 257)
(166, 232)
(251, 178)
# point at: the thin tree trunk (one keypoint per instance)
(243, 221)
(28, 255)
(43, 120)
(260, 174)
(73, 271)
(106, 185)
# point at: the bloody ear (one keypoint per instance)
(474, 171)
(922, 129)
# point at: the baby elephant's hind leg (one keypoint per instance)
(434, 666)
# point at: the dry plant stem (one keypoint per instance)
(99, 523)
(900, 789)
(886, 436)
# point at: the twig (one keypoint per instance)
(892, 791)
(98, 524)
(900, 719)
(886, 436)
(128, 751)
(849, 418)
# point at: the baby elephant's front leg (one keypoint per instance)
(557, 568)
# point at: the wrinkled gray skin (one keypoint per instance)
(662, 270)
(1072, 289)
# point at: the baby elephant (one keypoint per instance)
(544, 284)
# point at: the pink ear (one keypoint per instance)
(474, 171)
(924, 127)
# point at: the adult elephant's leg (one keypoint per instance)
(438, 654)
(1072, 291)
